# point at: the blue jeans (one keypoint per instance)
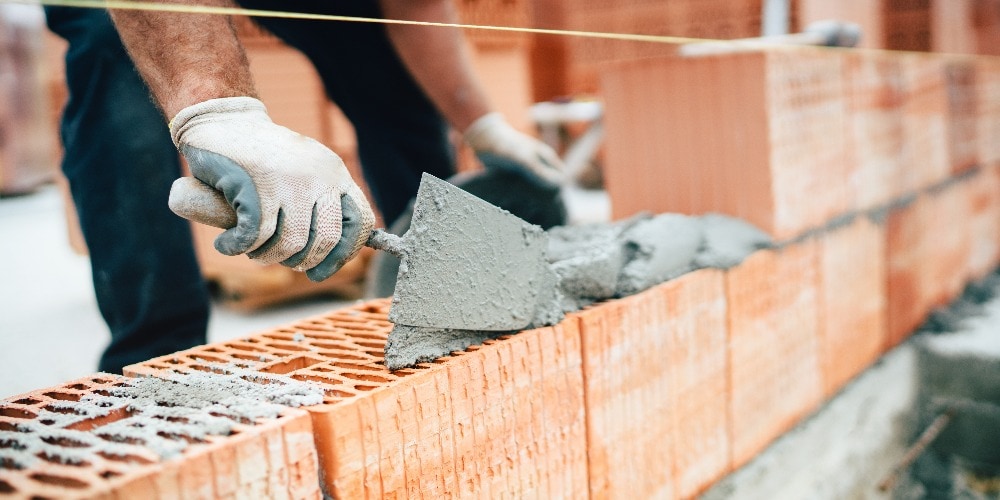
(120, 162)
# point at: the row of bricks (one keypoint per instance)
(791, 139)
(657, 394)
(269, 458)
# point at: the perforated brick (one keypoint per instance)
(774, 367)
(852, 301)
(77, 441)
(757, 135)
(659, 358)
(504, 418)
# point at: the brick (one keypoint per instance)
(988, 110)
(961, 81)
(207, 469)
(925, 121)
(875, 128)
(658, 357)
(564, 66)
(627, 381)
(774, 368)
(852, 301)
(696, 308)
(928, 247)
(758, 135)
(503, 418)
(984, 218)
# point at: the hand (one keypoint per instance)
(295, 201)
(499, 145)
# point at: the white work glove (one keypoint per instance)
(498, 145)
(295, 201)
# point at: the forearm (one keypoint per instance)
(438, 58)
(185, 58)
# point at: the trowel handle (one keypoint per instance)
(196, 201)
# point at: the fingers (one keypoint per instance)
(225, 175)
(352, 238)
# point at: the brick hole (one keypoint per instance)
(64, 442)
(6, 411)
(55, 459)
(109, 474)
(66, 482)
(8, 427)
(287, 347)
(340, 354)
(247, 357)
(102, 381)
(278, 336)
(27, 401)
(6, 487)
(173, 361)
(63, 396)
(365, 377)
(296, 363)
(9, 464)
(91, 423)
(252, 340)
(128, 459)
(368, 336)
(13, 444)
(47, 421)
(350, 366)
(202, 368)
(120, 439)
(212, 349)
(245, 348)
(64, 411)
(373, 345)
(207, 358)
(321, 369)
(365, 388)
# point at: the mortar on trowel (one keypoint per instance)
(469, 270)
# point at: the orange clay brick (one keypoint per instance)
(925, 121)
(983, 192)
(251, 462)
(908, 281)
(960, 80)
(696, 308)
(658, 357)
(503, 418)
(852, 301)
(774, 371)
(626, 344)
(928, 248)
(988, 110)
(875, 128)
(757, 135)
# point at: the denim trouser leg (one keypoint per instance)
(120, 163)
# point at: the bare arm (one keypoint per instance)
(438, 58)
(186, 58)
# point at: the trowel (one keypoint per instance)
(469, 270)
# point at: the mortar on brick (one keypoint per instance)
(159, 415)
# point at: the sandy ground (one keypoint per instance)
(50, 328)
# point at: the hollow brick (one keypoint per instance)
(774, 368)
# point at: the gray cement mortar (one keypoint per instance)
(164, 415)
(551, 272)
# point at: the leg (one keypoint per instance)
(400, 133)
(120, 162)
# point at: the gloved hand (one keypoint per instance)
(499, 145)
(295, 201)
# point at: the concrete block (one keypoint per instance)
(758, 135)
(852, 301)
(775, 374)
